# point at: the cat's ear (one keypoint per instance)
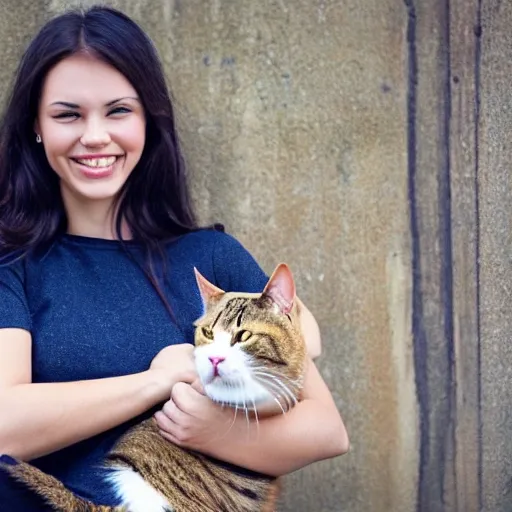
(280, 288)
(208, 291)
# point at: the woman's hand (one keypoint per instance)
(173, 364)
(190, 419)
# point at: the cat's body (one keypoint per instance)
(216, 487)
(249, 351)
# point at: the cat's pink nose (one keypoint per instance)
(215, 363)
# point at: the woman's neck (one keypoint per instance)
(94, 219)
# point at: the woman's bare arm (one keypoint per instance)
(36, 419)
(310, 327)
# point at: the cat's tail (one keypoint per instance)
(49, 489)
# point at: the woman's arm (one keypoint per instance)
(311, 331)
(37, 419)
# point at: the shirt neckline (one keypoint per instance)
(98, 243)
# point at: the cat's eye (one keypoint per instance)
(207, 333)
(242, 336)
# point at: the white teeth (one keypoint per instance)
(97, 162)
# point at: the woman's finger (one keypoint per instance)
(165, 423)
(170, 437)
(172, 411)
(187, 399)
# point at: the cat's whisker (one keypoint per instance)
(256, 416)
(240, 388)
(246, 409)
(276, 400)
(232, 423)
(274, 390)
(274, 373)
(241, 398)
(277, 379)
(264, 376)
(292, 384)
(232, 385)
(279, 397)
(289, 399)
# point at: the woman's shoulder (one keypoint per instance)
(212, 240)
(224, 259)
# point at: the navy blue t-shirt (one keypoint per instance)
(92, 313)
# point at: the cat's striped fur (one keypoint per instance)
(249, 350)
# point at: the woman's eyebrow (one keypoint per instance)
(110, 103)
(66, 104)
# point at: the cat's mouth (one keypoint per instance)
(245, 394)
(221, 380)
(213, 379)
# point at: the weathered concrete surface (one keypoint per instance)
(463, 83)
(18, 21)
(429, 223)
(341, 137)
(495, 255)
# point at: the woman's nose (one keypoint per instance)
(95, 134)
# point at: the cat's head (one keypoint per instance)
(249, 346)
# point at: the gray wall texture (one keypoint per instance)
(365, 143)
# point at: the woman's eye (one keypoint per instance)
(207, 333)
(119, 110)
(67, 115)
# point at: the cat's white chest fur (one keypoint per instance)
(136, 493)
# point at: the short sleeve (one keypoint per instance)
(235, 268)
(14, 310)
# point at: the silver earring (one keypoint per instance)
(38, 139)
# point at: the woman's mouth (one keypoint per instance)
(97, 163)
(98, 167)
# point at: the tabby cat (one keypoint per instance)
(249, 351)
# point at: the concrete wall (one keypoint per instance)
(341, 137)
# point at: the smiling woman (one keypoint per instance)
(93, 126)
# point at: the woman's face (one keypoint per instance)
(92, 125)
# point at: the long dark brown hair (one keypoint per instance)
(154, 202)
